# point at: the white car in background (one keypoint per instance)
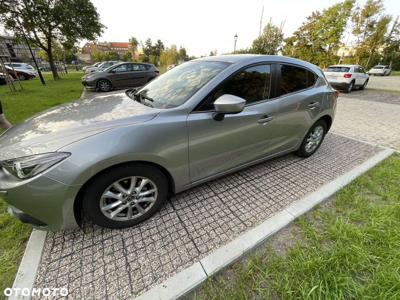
(346, 77)
(92, 66)
(380, 70)
(23, 67)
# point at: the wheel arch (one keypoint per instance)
(77, 208)
(328, 120)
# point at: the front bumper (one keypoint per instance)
(91, 85)
(25, 218)
(40, 201)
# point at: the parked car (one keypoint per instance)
(381, 70)
(347, 77)
(104, 65)
(21, 66)
(120, 75)
(3, 80)
(21, 74)
(115, 158)
(95, 65)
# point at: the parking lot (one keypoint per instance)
(371, 115)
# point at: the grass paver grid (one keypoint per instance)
(101, 263)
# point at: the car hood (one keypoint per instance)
(65, 124)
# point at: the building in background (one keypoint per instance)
(121, 48)
(16, 51)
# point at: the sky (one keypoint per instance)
(202, 26)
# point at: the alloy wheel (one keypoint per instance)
(314, 139)
(104, 86)
(128, 198)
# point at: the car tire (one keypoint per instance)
(319, 128)
(104, 85)
(98, 207)
(362, 87)
(349, 88)
(22, 77)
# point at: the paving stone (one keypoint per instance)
(97, 263)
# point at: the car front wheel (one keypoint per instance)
(313, 139)
(125, 196)
(104, 85)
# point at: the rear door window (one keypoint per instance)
(295, 79)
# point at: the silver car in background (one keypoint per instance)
(380, 70)
(115, 159)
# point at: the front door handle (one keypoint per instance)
(313, 105)
(264, 120)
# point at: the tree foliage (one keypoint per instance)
(48, 21)
(269, 42)
(319, 38)
(370, 26)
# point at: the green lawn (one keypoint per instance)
(35, 98)
(395, 73)
(345, 249)
(18, 106)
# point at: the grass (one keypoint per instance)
(17, 107)
(35, 98)
(345, 249)
(395, 73)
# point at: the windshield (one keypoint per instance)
(176, 86)
(378, 67)
(338, 69)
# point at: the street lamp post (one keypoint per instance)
(234, 45)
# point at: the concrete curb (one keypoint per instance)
(29, 265)
(190, 278)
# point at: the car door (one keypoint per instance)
(118, 75)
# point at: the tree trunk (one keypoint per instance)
(51, 62)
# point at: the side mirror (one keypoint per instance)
(228, 104)
(112, 71)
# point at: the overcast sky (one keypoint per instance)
(205, 25)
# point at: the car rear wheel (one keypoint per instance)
(21, 77)
(125, 196)
(104, 85)
(313, 139)
(364, 85)
(350, 87)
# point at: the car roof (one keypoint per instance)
(256, 58)
(346, 66)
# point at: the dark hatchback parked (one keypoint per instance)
(122, 75)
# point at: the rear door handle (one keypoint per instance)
(313, 105)
(264, 120)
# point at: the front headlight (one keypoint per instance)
(29, 166)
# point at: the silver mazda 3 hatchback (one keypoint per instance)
(114, 159)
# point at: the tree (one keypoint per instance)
(111, 55)
(127, 56)
(48, 21)
(370, 26)
(169, 56)
(391, 52)
(133, 43)
(182, 54)
(269, 42)
(318, 39)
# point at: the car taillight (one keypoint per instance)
(347, 75)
